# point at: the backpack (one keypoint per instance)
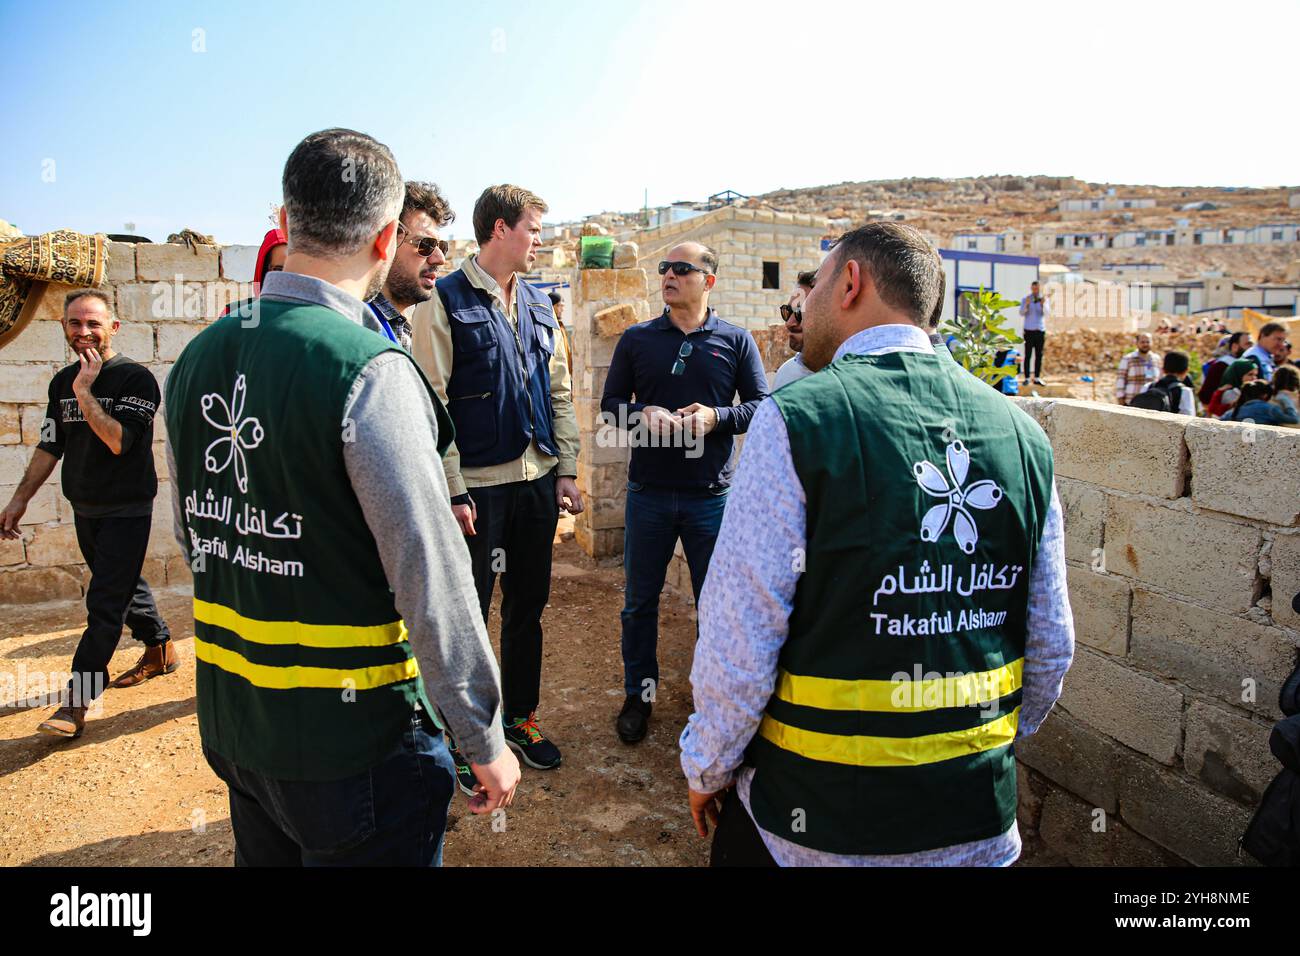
(1162, 396)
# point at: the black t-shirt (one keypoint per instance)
(97, 482)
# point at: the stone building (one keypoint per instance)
(760, 252)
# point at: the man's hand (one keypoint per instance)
(496, 783)
(567, 495)
(660, 421)
(698, 419)
(10, 517)
(466, 515)
(704, 808)
(91, 363)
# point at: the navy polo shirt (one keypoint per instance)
(724, 362)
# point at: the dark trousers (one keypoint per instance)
(654, 518)
(394, 814)
(1034, 340)
(515, 531)
(114, 549)
(736, 840)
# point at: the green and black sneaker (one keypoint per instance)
(465, 778)
(524, 737)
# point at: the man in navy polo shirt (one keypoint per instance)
(671, 384)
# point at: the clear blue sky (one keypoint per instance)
(589, 104)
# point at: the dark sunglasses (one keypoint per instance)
(679, 367)
(679, 268)
(786, 312)
(425, 245)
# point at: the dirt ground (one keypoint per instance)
(134, 790)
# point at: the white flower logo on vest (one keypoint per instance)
(982, 495)
(232, 430)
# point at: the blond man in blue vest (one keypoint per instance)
(886, 611)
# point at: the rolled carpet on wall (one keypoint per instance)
(29, 263)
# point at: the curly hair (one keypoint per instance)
(424, 197)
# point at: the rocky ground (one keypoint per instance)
(135, 790)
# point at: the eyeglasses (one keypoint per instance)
(680, 268)
(424, 245)
(786, 312)
(679, 367)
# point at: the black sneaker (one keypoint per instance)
(465, 778)
(632, 719)
(524, 737)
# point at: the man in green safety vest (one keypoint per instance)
(886, 611)
(329, 572)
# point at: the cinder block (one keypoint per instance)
(1182, 552)
(42, 507)
(1122, 448)
(174, 336)
(1183, 817)
(33, 423)
(1084, 509)
(239, 263)
(614, 321)
(1100, 605)
(25, 384)
(1237, 661)
(596, 285)
(135, 340)
(35, 585)
(50, 307)
(1136, 710)
(630, 283)
(39, 342)
(1247, 470)
(1229, 753)
(121, 262)
(53, 545)
(1075, 756)
(11, 427)
(1076, 831)
(158, 261)
(1286, 578)
(13, 463)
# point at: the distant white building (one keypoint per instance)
(965, 270)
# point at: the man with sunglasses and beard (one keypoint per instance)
(671, 383)
(793, 368)
(415, 266)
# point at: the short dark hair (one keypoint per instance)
(424, 197)
(1176, 363)
(76, 294)
(1271, 328)
(504, 202)
(340, 188)
(904, 267)
(807, 279)
(1235, 337)
(937, 314)
(554, 297)
(1286, 378)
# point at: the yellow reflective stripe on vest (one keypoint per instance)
(826, 693)
(891, 751)
(297, 676)
(295, 632)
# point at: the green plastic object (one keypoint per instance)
(597, 252)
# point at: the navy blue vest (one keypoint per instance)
(499, 399)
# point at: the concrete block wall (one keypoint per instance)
(163, 295)
(1184, 554)
(605, 303)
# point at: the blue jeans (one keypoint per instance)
(654, 518)
(393, 814)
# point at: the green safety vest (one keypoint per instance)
(897, 698)
(303, 669)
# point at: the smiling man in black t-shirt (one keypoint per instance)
(100, 422)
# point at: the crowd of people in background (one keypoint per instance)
(1243, 381)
